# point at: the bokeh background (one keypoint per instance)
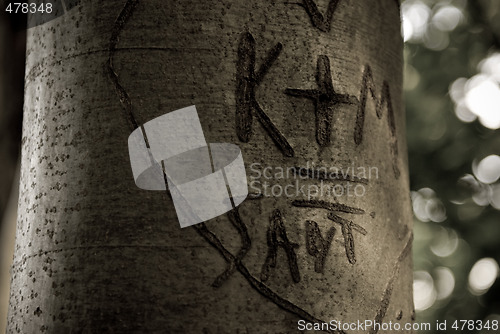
(452, 92)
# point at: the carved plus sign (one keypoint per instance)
(325, 100)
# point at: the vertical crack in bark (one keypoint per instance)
(119, 24)
(386, 297)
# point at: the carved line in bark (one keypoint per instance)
(319, 204)
(255, 283)
(386, 297)
(44, 64)
(119, 24)
(368, 85)
(347, 226)
(235, 218)
(325, 100)
(234, 263)
(319, 21)
(106, 246)
(318, 246)
(277, 229)
(247, 82)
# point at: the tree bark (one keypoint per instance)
(304, 84)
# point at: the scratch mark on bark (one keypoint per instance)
(44, 63)
(119, 24)
(386, 297)
(321, 22)
(235, 218)
(277, 228)
(325, 100)
(236, 262)
(247, 82)
(327, 205)
(347, 226)
(318, 246)
(368, 86)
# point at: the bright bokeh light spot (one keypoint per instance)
(482, 275)
(447, 18)
(491, 66)
(495, 196)
(479, 96)
(427, 207)
(436, 39)
(480, 192)
(445, 282)
(435, 210)
(483, 99)
(445, 242)
(424, 293)
(488, 169)
(457, 89)
(482, 195)
(463, 113)
(415, 16)
(457, 94)
(406, 29)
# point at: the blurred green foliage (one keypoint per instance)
(452, 86)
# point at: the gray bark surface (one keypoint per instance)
(95, 254)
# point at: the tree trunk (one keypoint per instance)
(310, 85)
